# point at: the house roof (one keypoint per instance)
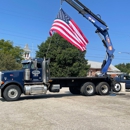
(97, 65)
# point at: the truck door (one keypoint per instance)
(127, 81)
(36, 74)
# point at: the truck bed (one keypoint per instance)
(78, 81)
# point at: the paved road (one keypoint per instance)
(64, 111)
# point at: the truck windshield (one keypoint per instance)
(26, 66)
(127, 77)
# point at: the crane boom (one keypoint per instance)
(102, 30)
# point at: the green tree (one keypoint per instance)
(65, 59)
(8, 48)
(8, 62)
(10, 57)
(124, 67)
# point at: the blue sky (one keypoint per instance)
(29, 21)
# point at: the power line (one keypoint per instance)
(24, 17)
(21, 36)
(28, 17)
(36, 18)
(92, 48)
(17, 32)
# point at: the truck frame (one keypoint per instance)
(34, 78)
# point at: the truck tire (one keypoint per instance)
(97, 92)
(116, 87)
(74, 90)
(82, 90)
(12, 93)
(88, 89)
(103, 88)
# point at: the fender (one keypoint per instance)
(13, 82)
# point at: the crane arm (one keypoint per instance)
(102, 30)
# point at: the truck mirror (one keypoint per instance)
(35, 64)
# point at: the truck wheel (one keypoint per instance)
(12, 93)
(116, 87)
(88, 89)
(103, 88)
(82, 90)
(74, 90)
(97, 90)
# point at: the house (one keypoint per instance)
(95, 68)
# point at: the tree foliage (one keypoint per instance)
(124, 67)
(7, 62)
(65, 59)
(10, 57)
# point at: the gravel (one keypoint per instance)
(64, 111)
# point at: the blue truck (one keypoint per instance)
(34, 77)
(123, 78)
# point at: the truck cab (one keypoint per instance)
(34, 69)
(31, 79)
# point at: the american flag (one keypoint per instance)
(67, 28)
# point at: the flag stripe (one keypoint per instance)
(79, 31)
(85, 41)
(68, 29)
(69, 40)
(64, 35)
(78, 37)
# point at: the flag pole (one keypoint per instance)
(61, 1)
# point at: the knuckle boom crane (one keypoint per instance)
(102, 30)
